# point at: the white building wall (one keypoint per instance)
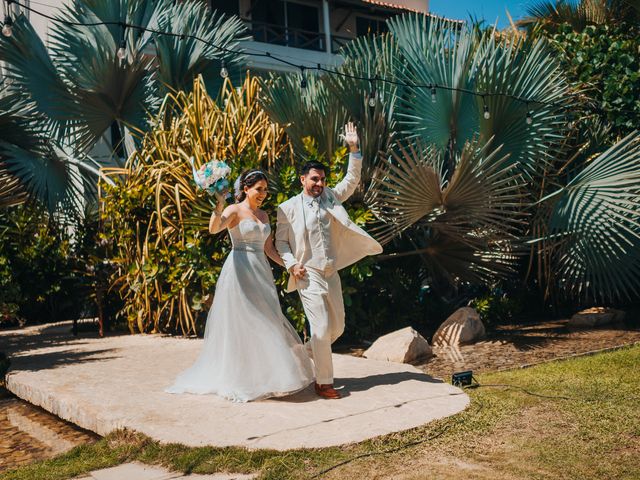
(40, 23)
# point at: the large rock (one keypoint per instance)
(595, 316)
(402, 346)
(463, 326)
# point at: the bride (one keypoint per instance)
(250, 349)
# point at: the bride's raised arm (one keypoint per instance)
(222, 217)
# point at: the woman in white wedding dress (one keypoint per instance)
(250, 349)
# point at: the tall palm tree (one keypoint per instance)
(549, 14)
(82, 91)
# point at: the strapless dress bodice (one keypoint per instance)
(249, 235)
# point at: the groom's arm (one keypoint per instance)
(345, 188)
(282, 240)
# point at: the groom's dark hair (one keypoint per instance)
(313, 164)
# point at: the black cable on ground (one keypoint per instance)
(392, 450)
(441, 432)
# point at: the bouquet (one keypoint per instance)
(211, 176)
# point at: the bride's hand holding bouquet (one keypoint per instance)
(212, 177)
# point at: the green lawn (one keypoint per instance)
(506, 433)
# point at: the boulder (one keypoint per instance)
(595, 316)
(463, 326)
(402, 346)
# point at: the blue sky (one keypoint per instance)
(488, 10)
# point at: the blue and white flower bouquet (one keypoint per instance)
(212, 176)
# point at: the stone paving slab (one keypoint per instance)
(140, 471)
(118, 382)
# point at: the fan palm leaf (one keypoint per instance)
(29, 167)
(551, 14)
(369, 57)
(80, 89)
(43, 174)
(34, 76)
(478, 211)
(503, 69)
(312, 111)
(436, 51)
(450, 260)
(181, 60)
(107, 89)
(521, 68)
(598, 215)
(11, 191)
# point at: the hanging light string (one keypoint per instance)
(7, 25)
(432, 87)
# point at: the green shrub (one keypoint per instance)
(37, 270)
(497, 307)
(604, 60)
(49, 270)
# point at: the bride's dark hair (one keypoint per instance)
(248, 178)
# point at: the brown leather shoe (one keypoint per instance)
(326, 391)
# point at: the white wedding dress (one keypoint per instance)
(250, 349)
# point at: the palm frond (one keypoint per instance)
(369, 57)
(550, 15)
(521, 68)
(477, 261)
(11, 191)
(484, 197)
(43, 175)
(181, 60)
(598, 216)
(313, 112)
(510, 68)
(105, 89)
(439, 52)
(34, 76)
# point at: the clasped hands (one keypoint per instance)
(298, 271)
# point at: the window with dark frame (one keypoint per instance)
(228, 7)
(298, 26)
(370, 26)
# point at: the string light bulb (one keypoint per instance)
(372, 98)
(7, 31)
(372, 94)
(303, 80)
(224, 73)
(122, 51)
(7, 28)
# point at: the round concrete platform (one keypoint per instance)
(118, 382)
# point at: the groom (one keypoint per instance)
(315, 239)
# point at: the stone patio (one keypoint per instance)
(118, 382)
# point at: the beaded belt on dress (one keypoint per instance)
(247, 248)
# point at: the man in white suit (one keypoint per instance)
(315, 239)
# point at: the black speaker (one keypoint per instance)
(462, 379)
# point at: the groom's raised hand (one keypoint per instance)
(351, 137)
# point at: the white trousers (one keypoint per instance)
(323, 305)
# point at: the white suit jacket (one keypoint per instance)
(351, 243)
